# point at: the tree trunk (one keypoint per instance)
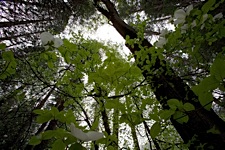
(116, 127)
(134, 136)
(51, 126)
(166, 84)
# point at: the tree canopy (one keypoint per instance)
(81, 93)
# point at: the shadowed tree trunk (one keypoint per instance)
(116, 127)
(51, 126)
(134, 136)
(166, 84)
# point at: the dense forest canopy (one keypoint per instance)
(81, 93)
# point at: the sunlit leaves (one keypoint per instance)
(203, 90)
(8, 55)
(208, 5)
(77, 146)
(206, 100)
(205, 87)
(188, 107)
(177, 111)
(62, 137)
(110, 104)
(48, 134)
(54, 111)
(166, 114)
(9, 64)
(58, 145)
(47, 115)
(155, 129)
(44, 117)
(34, 140)
(61, 116)
(2, 46)
(217, 69)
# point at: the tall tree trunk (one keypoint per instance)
(116, 127)
(51, 126)
(167, 85)
(134, 136)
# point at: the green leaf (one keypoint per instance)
(77, 146)
(206, 100)
(166, 114)
(208, 84)
(61, 133)
(50, 64)
(110, 104)
(70, 139)
(124, 118)
(61, 117)
(208, 5)
(188, 107)
(70, 117)
(38, 111)
(95, 123)
(155, 129)
(44, 56)
(154, 116)
(54, 111)
(2, 46)
(3, 76)
(112, 138)
(174, 103)
(34, 140)
(48, 135)
(222, 31)
(111, 148)
(180, 117)
(45, 117)
(8, 56)
(67, 57)
(58, 145)
(102, 141)
(217, 69)
(213, 130)
(136, 118)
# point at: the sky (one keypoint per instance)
(108, 33)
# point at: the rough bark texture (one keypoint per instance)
(167, 85)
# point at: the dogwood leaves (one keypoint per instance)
(204, 89)
(9, 64)
(83, 136)
(155, 129)
(177, 111)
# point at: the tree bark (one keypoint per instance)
(51, 126)
(135, 138)
(116, 127)
(166, 84)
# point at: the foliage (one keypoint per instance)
(89, 84)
